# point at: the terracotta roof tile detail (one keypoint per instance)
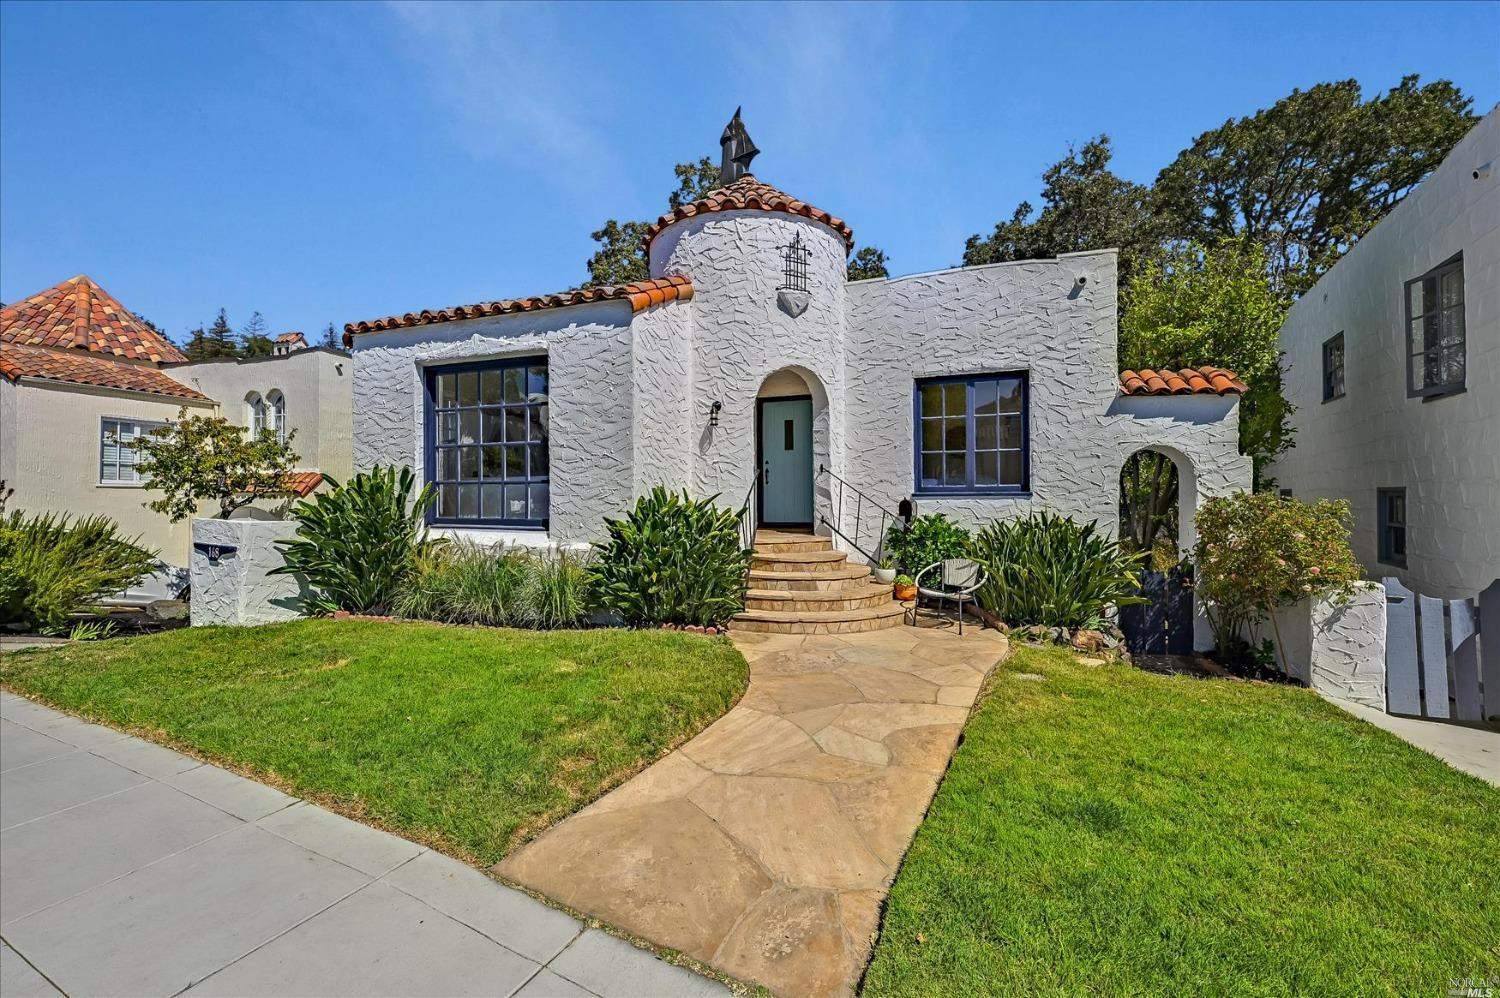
(293, 337)
(640, 295)
(747, 192)
(80, 315)
(297, 483)
(81, 367)
(1188, 381)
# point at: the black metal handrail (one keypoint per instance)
(747, 523)
(843, 499)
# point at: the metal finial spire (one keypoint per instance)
(738, 151)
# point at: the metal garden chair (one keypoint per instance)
(958, 580)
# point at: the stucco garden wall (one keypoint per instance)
(1444, 452)
(1337, 648)
(591, 403)
(238, 588)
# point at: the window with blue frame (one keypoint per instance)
(487, 443)
(971, 435)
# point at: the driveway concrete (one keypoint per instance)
(130, 869)
(765, 845)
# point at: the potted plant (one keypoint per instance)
(885, 572)
(906, 588)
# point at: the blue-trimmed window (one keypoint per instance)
(487, 443)
(971, 435)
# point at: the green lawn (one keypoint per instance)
(1108, 831)
(466, 738)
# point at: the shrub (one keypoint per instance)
(672, 560)
(51, 568)
(928, 539)
(1257, 552)
(1049, 570)
(496, 587)
(358, 541)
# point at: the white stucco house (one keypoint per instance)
(1393, 364)
(748, 356)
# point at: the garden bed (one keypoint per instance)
(469, 739)
(1103, 830)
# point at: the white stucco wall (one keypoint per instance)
(49, 453)
(1337, 648)
(238, 589)
(591, 388)
(1444, 452)
(317, 385)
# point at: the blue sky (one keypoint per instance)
(328, 162)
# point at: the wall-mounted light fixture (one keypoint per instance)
(713, 412)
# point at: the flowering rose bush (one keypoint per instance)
(1258, 552)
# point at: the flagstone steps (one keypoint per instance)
(798, 584)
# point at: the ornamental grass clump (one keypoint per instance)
(52, 566)
(672, 560)
(1051, 571)
(496, 586)
(1259, 552)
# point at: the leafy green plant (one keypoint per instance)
(51, 567)
(672, 560)
(905, 580)
(1257, 552)
(195, 458)
(497, 587)
(928, 539)
(92, 630)
(1052, 571)
(357, 542)
(556, 591)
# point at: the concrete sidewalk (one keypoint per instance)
(129, 869)
(1471, 750)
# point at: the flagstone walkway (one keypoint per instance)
(765, 845)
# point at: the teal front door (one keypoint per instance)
(786, 462)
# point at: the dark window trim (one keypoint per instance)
(1430, 392)
(1024, 489)
(1337, 339)
(430, 373)
(1384, 553)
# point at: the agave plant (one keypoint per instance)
(672, 560)
(357, 542)
(1050, 570)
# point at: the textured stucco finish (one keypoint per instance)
(1337, 648)
(1444, 452)
(239, 589)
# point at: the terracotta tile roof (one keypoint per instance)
(293, 337)
(298, 483)
(747, 192)
(1202, 381)
(642, 294)
(80, 367)
(80, 315)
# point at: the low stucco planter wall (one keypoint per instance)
(1336, 648)
(236, 587)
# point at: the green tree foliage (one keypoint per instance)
(330, 338)
(253, 339)
(1085, 206)
(868, 262)
(1049, 570)
(51, 567)
(621, 256)
(928, 539)
(1192, 306)
(358, 542)
(221, 338)
(197, 458)
(1259, 552)
(672, 560)
(1308, 176)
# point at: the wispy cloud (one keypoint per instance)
(510, 83)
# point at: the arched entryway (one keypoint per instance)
(1158, 496)
(791, 439)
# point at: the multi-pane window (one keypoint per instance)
(255, 408)
(1390, 506)
(117, 458)
(1333, 368)
(971, 434)
(487, 442)
(1435, 331)
(276, 415)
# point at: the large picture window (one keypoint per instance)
(487, 442)
(116, 455)
(1435, 331)
(971, 434)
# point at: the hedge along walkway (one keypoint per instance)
(765, 845)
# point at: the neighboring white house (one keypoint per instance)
(1394, 368)
(981, 392)
(79, 373)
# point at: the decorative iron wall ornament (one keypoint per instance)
(794, 257)
(738, 151)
